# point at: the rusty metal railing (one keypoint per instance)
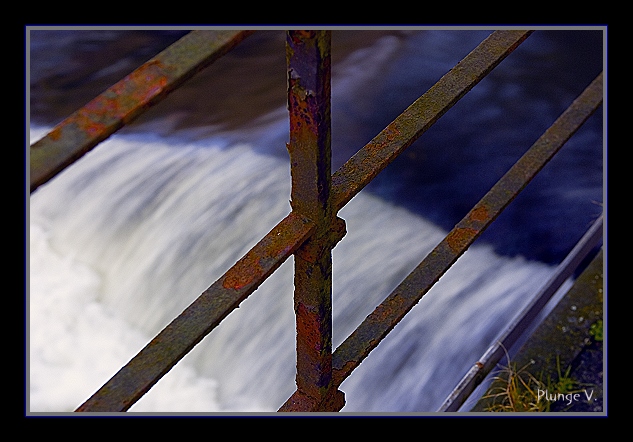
(126, 100)
(311, 229)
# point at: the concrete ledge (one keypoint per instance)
(563, 339)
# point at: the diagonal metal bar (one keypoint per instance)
(385, 317)
(134, 379)
(126, 100)
(368, 162)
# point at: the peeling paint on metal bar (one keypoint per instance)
(359, 170)
(134, 379)
(382, 320)
(309, 90)
(126, 100)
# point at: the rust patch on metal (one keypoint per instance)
(134, 91)
(55, 134)
(339, 374)
(307, 326)
(334, 400)
(389, 135)
(479, 214)
(119, 104)
(392, 305)
(314, 349)
(245, 271)
(460, 237)
(304, 106)
(280, 242)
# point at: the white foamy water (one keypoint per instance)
(122, 241)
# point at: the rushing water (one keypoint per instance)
(122, 241)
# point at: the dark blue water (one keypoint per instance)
(457, 161)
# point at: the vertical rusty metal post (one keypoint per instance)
(309, 72)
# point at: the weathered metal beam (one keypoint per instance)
(368, 162)
(126, 100)
(309, 87)
(134, 379)
(382, 320)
